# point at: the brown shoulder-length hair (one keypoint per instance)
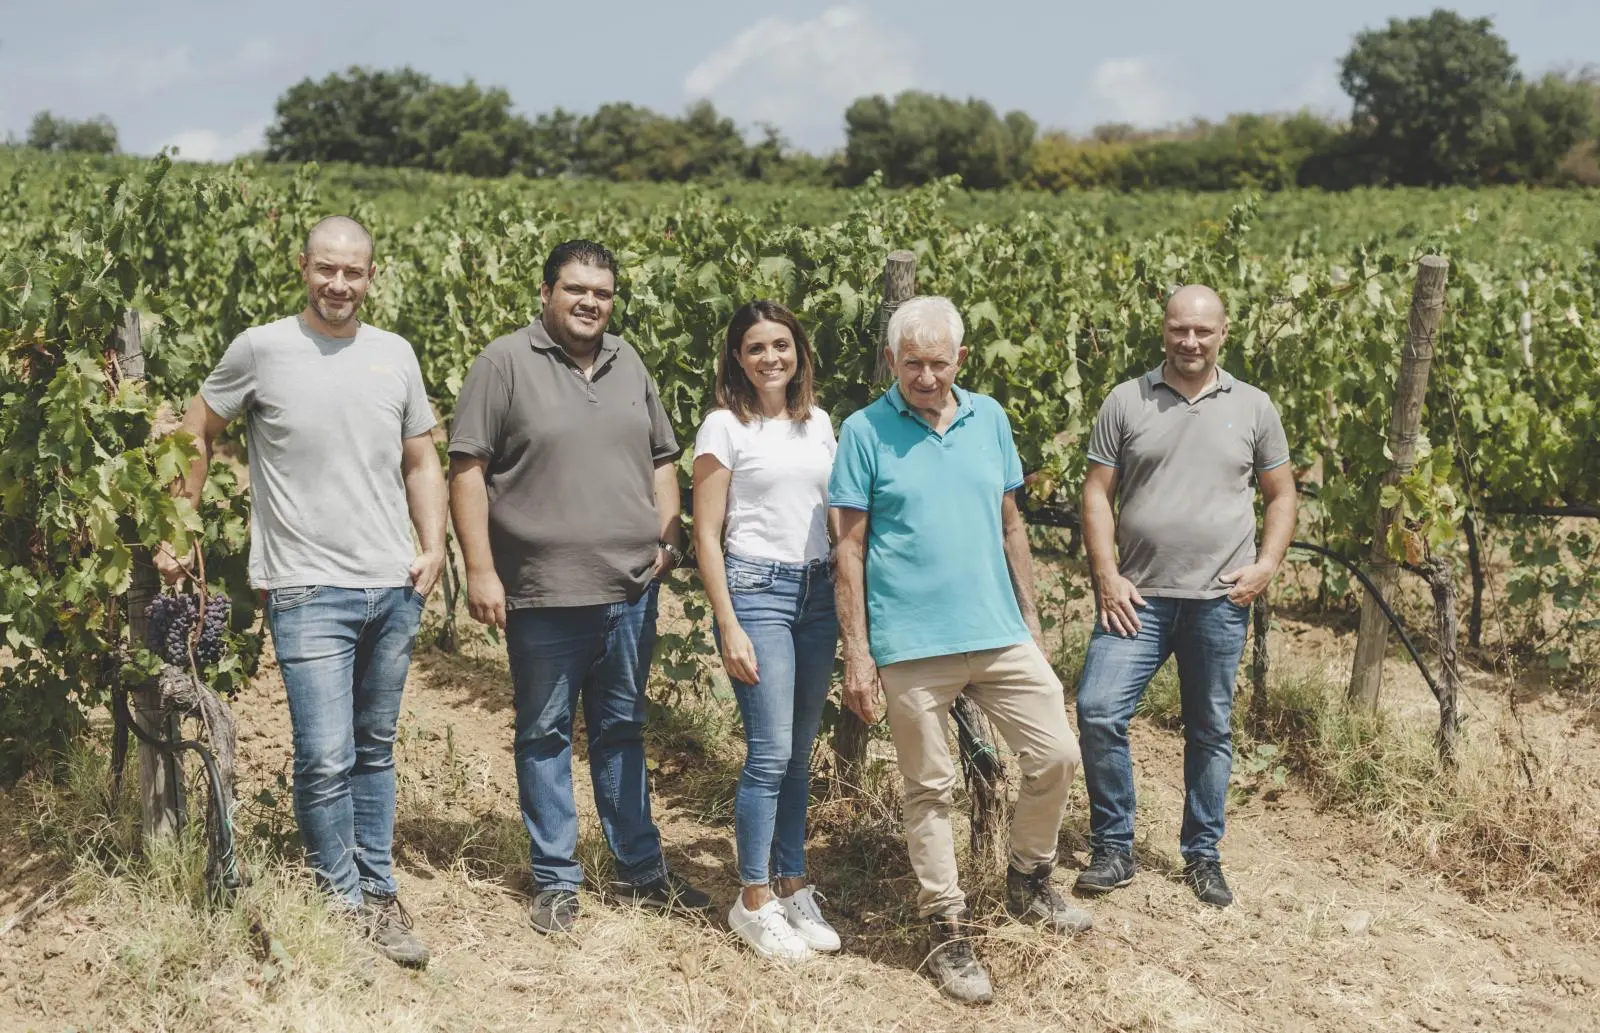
(734, 390)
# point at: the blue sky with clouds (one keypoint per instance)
(204, 76)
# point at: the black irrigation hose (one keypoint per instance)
(1372, 590)
(222, 869)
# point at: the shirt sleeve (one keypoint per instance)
(825, 425)
(1272, 445)
(854, 469)
(1105, 440)
(715, 438)
(476, 430)
(663, 443)
(231, 387)
(419, 418)
(1008, 448)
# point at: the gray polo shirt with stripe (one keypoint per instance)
(571, 467)
(1185, 504)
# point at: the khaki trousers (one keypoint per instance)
(1023, 698)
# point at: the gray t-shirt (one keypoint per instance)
(325, 417)
(1185, 507)
(570, 467)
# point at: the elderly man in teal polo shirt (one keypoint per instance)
(935, 595)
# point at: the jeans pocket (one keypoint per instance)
(281, 599)
(741, 580)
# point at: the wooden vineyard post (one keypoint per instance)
(160, 775)
(850, 733)
(1427, 309)
(899, 285)
(1261, 619)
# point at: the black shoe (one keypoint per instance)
(554, 911)
(952, 965)
(1204, 876)
(1109, 870)
(388, 927)
(670, 894)
(1031, 897)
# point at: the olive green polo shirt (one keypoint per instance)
(1185, 505)
(570, 467)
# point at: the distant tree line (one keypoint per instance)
(91, 136)
(1434, 100)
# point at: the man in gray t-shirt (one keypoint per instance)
(565, 501)
(1175, 567)
(338, 430)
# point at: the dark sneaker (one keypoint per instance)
(952, 965)
(554, 911)
(669, 894)
(1031, 897)
(1204, 876)
(1109, 870)
(388, 927)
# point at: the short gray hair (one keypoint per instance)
(925, 319)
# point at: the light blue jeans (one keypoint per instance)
(344, 654)
(787, 612)
(603, 653)
(1207, 636)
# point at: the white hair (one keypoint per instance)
(926, 319)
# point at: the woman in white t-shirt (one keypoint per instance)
(761, 466)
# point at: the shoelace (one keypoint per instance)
(392, 912)
(775, 924)
(805, 899)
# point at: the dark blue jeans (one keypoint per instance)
(602, 652)
(344, 654)
(1207, 636)
(787, 611)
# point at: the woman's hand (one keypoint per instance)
(739, 655)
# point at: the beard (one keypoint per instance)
(328, 313)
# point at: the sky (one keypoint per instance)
(204, 76)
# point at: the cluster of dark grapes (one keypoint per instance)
(172, 626)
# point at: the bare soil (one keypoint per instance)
(1333, 929)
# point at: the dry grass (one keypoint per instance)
(1504, 822)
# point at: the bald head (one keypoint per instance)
(1197, 299)
(339, 232)
(1195, 327)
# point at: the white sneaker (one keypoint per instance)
(767, 931)
(805, 918)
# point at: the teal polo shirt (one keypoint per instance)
(937, 580)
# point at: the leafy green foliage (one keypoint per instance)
(1061, 303)
(1430, 95)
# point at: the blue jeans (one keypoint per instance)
(604, 652)
(1207, 635)
(344, 653)
(786, 609)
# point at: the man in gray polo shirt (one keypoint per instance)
(340, 449)
(565, 500)
(1175, 568)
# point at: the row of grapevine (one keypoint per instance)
(1058, 309)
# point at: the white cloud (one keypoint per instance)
(210, 145)
(800, 75)
(1129, 89)
(142, 73)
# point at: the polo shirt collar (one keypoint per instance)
(963, 403)
(1158, 375)
(540, 338)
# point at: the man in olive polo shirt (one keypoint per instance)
(935, 596)
(565, 501)
(1175, 568)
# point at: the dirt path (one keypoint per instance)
(1329, 933)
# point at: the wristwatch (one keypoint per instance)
(673, 551)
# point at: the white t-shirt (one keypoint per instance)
(778, 494)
